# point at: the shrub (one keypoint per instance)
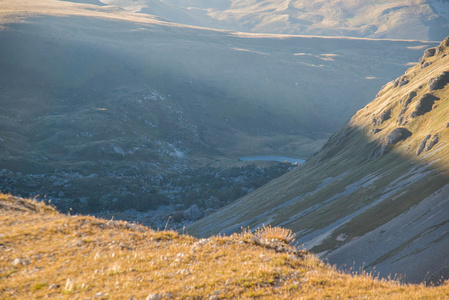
(276, 233)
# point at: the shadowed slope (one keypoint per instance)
(369, 195)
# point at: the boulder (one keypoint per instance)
(428, 53)
(439, 82)
(425, 104)
(193, 213)
(397, 135)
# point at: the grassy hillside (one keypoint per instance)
(423, 19)
(376, 195)
(44, 254)
(95, 96)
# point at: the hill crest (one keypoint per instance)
(47, 254)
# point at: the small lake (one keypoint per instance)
(272, 158)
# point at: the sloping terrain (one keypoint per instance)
(377, 194)
(406, 19)
(99, 105)
(44, 254)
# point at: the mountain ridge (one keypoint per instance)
(425, 20)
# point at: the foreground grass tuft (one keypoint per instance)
(44, 254)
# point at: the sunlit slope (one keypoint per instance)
(377, 193)
(45, 254)
(407, 19)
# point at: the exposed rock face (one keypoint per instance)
(400, 81)
(439, 82)
(424, 105)
(432, 143)
(397, 135)
(408, 99)
(382, 117)
(429, 52)
(444, 44)
(422, 145)
(193, 213)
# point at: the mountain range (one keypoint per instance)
(392, 19)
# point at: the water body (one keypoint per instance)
(273, 158)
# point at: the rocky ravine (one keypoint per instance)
(376, 195)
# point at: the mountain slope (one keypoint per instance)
(44, 254)
(99, 96)
(376, 195)
(407, 19)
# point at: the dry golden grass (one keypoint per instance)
(277, 233)
(44, 254)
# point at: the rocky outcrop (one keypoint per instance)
(439, 82)
(444, 44)
(422, 145)
(382, 117)
(397, 135)
(408, 99)
(428, 53)
(193, 213)
(402, 120)
(425, 104)
(432, 143)
(401, 81)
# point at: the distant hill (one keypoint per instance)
(100, 105)
(376, 195)
(410, 19)
(45, 254)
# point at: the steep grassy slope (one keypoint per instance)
(97, 96)
(409, 19)
(377, 194)
(44, 254)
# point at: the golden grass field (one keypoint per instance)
(45, 254)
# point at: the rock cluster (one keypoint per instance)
(382, 117)
(427, 143)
